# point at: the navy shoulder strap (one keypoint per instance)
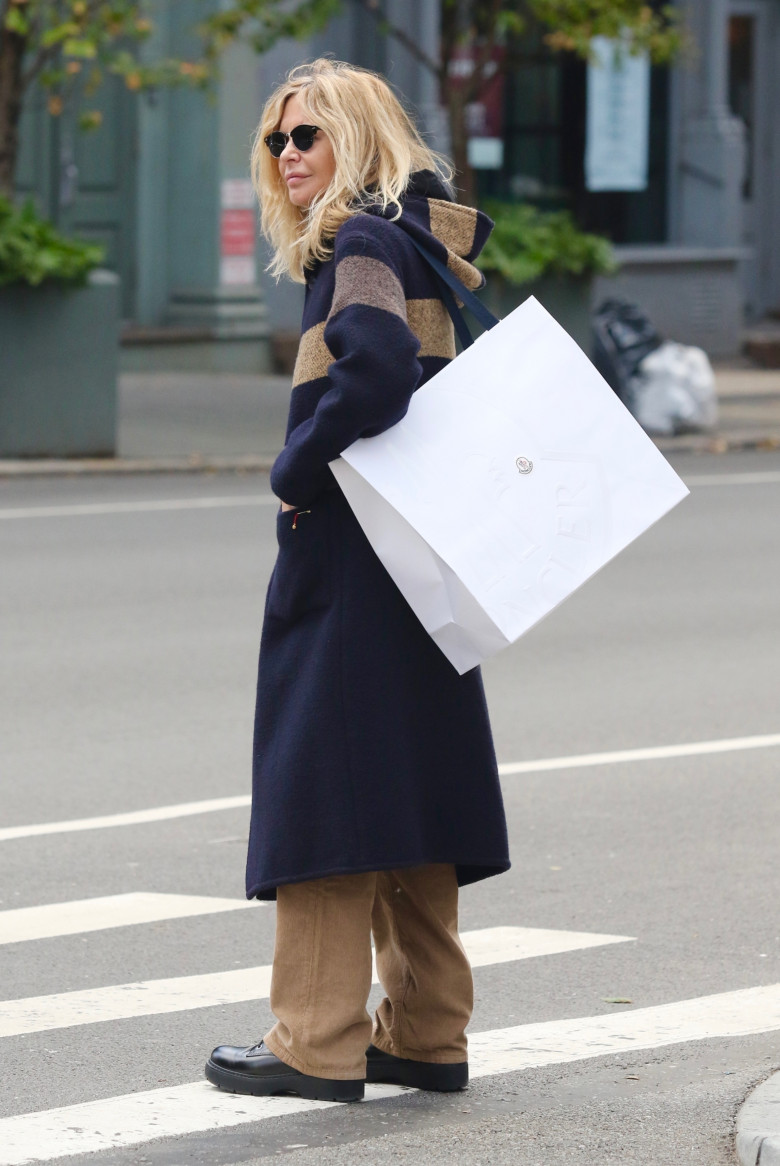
(452, 286)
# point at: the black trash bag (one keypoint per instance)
(623, 337)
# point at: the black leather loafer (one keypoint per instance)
(257, 1071)
(392, 1070)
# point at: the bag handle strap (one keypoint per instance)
(450, 284)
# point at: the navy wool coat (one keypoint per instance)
(370, 751)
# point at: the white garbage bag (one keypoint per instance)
(673, 391)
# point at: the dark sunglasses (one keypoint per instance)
(302, 136)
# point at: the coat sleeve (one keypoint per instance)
(374, 372)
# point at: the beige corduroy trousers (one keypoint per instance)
(322, 971)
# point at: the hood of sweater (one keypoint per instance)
(455, 234)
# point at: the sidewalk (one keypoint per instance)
(171, 422)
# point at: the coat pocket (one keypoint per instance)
(301, 580)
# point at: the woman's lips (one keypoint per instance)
(293, 178)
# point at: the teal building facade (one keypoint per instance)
(163, 183)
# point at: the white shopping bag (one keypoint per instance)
(515, 475)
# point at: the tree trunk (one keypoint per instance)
(455, 101)
(12, 47)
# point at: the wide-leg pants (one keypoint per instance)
(322, 971)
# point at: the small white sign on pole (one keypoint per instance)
(618, 118)
(514, 476)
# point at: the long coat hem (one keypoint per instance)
(467, 872)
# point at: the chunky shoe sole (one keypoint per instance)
(389, 1070)
(312, 1088)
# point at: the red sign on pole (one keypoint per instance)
(237, 235)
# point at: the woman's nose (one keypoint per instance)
(289, 151)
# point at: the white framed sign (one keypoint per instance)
(618, 118)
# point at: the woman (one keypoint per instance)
(375, 788)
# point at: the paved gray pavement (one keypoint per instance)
(181, 421)
(129, 636)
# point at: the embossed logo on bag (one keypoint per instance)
(524, 465)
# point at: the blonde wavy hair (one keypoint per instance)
(377, 148)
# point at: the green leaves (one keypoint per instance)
(86, 49)
(528, 243)
(32, 251)
(573, 23)
(16, 21)
(58, 34)
(263, 22)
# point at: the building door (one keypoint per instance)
(85, 181)
(754, 96)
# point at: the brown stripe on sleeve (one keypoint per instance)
(466, 272)
(369, 282)
(314, 357)
(430, 321)
(454, 225)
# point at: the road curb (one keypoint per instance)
(718, 442)
(758, 1125)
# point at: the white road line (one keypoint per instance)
(655, 753)
(510, 769)
(80, 915)
(756, 478)
(131, 818)
(138, 1118)
(529, 1046)
(86, 509)
(486, 947)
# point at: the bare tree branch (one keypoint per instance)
(38, 63)
(476, 82)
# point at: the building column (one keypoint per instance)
(195, 309)
(711, 143)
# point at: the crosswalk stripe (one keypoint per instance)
(138, 1118)
(130, 818)
(486, 947)
(530, 1046)
(79, 915)
(508, 769)
(654, 753)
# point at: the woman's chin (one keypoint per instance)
(298, 196)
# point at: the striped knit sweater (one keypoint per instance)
(374, 330)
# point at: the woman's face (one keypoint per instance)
(306, 172)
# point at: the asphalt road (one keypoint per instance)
(129, 639)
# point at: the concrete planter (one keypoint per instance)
(566, 297)
(58, 369)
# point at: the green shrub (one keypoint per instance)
(32, 251)
(528, 243)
